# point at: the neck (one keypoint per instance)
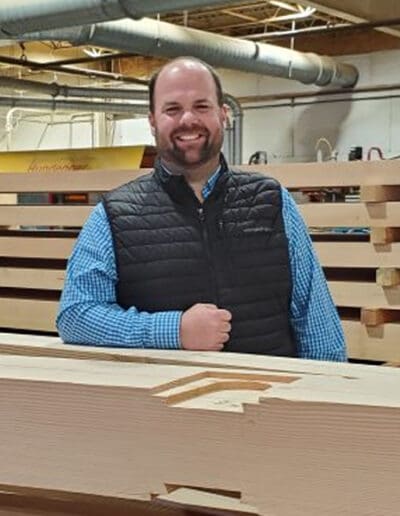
(196, 176)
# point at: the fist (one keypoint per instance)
(205, 327)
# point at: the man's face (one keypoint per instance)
(188, 123)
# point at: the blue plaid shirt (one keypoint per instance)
(89, 313)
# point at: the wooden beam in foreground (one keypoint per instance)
(275, 436)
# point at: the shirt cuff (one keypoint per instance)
(164, 330)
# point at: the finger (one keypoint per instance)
(209, 305)
(223, 337)
(225, 314)
(225, 327)
(217, 346)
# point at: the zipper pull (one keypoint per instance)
(200, 212)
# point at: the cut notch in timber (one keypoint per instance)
(379, 193)
(219, 502)
(383, 236)
(378, 316)
(389, 277)
(207, 382)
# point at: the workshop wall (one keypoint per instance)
(287, 129)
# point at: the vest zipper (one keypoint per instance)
(206, 243)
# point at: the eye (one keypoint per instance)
(202, 107)
(171, 110)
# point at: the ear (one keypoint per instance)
(152, 123)
(224, 113)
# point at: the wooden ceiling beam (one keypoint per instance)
(345, 43)
(359, 10)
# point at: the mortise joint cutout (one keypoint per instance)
(207, 382)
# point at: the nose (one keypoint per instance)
(188, 117)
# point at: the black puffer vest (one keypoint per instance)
(173, 252)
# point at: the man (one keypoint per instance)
(195, 256)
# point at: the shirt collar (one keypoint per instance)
(209, 186)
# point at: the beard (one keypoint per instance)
(173, 154)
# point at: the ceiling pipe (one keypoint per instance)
(156, 38)
(60, 90)
(237, 128)
(68, 70)
(41, 15)
(75, 105)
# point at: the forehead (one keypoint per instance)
(184, 81)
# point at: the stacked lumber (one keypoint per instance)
(363, 271)
(102, 431)
(37, 239)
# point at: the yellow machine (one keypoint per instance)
(62, 160)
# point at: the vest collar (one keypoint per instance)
(179, 190)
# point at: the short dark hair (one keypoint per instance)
(213, 73)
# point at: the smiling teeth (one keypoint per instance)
(189, 137)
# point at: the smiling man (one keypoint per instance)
(195, 255)
(187, 120)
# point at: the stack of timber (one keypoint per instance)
(100, 431)
(37, 239)
(363, 271)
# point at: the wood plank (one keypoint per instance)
(320, 414)
(381, 343)
(25, 277)
(291, 175)
(36, 247)
(40, 346)
(67, 181)
(15, 501)
(28, 314)
(362, 294)
(358, 254)
(37, 215)
(315, 215)
(351, 214)
(334, 174)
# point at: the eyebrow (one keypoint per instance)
(176, 103)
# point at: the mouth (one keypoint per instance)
(189, 137)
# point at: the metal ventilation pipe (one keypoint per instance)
(237, 128)
(60, 90)
(75, 105)
(156, 38)
(34, 15)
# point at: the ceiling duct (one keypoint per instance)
(156, 38)
(74, 105)
(61, 90)
(34, 15)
